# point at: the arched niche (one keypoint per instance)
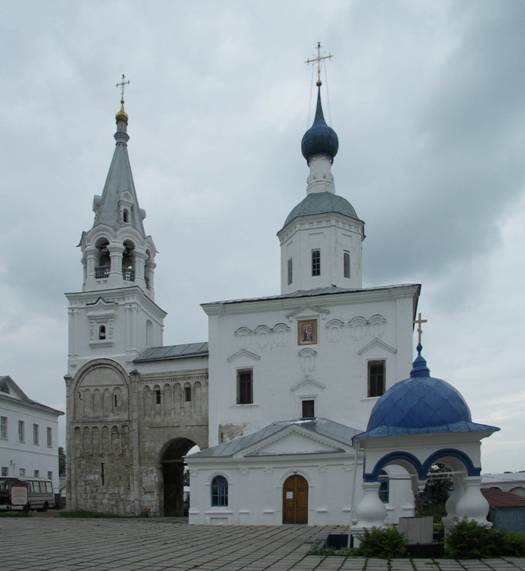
(96, 387)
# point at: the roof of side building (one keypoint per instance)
(322, 291)
(322, 426)
(168, 352)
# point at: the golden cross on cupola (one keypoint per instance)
(318, 59)
(419, 322)
(122, 84)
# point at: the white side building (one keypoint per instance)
(28, 435)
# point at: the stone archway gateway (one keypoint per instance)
(172, 461)
(295, 500)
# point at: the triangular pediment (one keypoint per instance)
(293, 441)
(308, 311)
(9, 388)
(244, 353)
(377, 343)
(307, 383)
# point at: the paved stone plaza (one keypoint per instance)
(57, 544)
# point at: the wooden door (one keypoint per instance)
(295, 500)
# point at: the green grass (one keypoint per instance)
(82, 514)
(13, 514)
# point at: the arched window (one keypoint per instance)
(219, 491)
(128, 261)
(346, 264)
(187, 393)
(384, 487)
(125, 215)
(103, 261)
(102, 332)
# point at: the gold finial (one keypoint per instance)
(419, 321)
(121, 114)
(318, 59)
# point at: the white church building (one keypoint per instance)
(297, 401)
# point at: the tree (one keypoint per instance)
(61, 461)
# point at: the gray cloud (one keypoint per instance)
(428, 100)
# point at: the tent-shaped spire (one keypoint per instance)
(118, 204)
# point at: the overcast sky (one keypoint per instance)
(428, 100)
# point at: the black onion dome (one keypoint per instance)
(320, 139)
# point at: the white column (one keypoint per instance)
(472, 503)
(140, 259)
(90, 257)
(450, 506)
(115, 272)
(371, 511)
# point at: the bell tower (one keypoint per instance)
(115, 314)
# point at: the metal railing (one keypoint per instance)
(101, 272)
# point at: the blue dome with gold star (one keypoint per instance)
(421, 404)
(320, 139)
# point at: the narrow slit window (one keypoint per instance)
(125, 215)
(187, 394)
(290, 271)
(102, 479)
(316, 262)
(346, 264)
(376, 378)
(115, 400)
(158, 396)
(102, 332)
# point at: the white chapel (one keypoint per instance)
(305, 405)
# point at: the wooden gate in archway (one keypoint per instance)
(295, 500)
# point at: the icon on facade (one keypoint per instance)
(307, 332)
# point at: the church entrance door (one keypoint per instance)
(176, 501)
(295, 500)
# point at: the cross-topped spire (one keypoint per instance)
(419, 321)
(318, 59)
(122, 84)
(122, 116)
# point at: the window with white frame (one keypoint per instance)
(219, 491)
(36, 434)
(346, 264)
(376, 378)
(5, 471)
(290, 271)
(36, 473)
(22, 472)
(3, 427)
(50, 475)
(21, 431)
(245, 386)
(49, 433)
(316, 262)
(308, 408)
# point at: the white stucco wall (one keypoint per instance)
(332, 234)
(263, 336)
(16, 455)
(255, 490)
(125, 312)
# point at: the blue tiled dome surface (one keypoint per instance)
(421, 404)
(321, 203)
